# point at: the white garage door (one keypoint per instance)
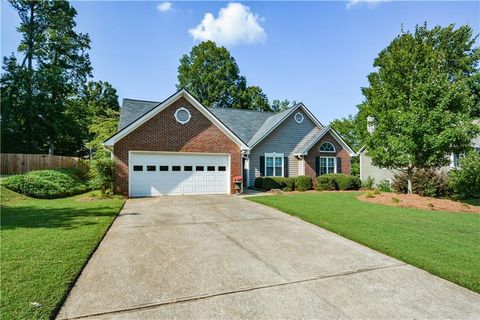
(154, 174)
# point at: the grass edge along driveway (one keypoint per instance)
(45, 245)
(443, 243)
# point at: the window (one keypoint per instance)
(137, 168)
(327, 147)
(187, 168)
(327, 165)
(182, 115)
(176, 168)
(274, 164)
(199, 168)
(298, 117)
(163, 168)
(222, 168)
(151, 168)
(210, 168)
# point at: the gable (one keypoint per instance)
(188, 100)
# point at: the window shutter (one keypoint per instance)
(339, 165)
(285, 166)
(317, 166)
(262, 166)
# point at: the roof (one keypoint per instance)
(303, 149)
(244, 123)
(249, 126)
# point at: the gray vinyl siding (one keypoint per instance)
(367, 169)
(283, 139)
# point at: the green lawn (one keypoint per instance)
(446, 244)
(44, 246)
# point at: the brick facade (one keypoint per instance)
(313, 153)
(164, 133)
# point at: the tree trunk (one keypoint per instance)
(409, 181)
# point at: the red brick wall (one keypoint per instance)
(164, 133)
(313, 152)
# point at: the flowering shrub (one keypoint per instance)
(237, 179)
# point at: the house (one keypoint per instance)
(380, 175)
(179, 146)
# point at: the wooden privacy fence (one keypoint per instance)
(12, 163)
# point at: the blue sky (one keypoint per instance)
(316, 52)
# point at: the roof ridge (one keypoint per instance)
(142, 100)
(243, 110)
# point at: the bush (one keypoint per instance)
(427, 183)
(258, 183)
(465, 180)
(289, 184)
(303, 183)
(338, 181)
(384, 186)
(47, 184)
(368, 183)
(326, 182)
(102, 175)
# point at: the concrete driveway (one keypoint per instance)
(201, 257)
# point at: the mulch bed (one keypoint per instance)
(419, 202)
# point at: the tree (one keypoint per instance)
(213, 77)
(36, 92)
(347, 128)
(422, 100)
(280, 105)
(97, 114)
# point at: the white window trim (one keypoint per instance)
(334, 164)
(298, 114)
(274, 155)
(327, 141)
(184, 121)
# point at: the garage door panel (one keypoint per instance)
(199, 174)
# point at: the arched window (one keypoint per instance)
(327, 147)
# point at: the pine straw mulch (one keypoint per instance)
(418, 202)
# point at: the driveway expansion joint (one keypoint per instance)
(153, 305)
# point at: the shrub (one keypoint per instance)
(427, 183)
(338, 182)
(384, 186)
(326, 182)
(270, 183)
(368, 183)
(303, 183)
(290, 184)
(258, 183)
(47, 184)
(102, 175)
(465, 180)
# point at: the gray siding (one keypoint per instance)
(367, 169)
(284, 139)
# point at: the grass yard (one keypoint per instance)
(45, 244)
(443, 243)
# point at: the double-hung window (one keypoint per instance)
(274, 164)
(327, 165)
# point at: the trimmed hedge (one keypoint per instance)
(47, 184)
(303, 183)
(282, 183)
(338, 181)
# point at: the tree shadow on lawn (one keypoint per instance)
(27, 216)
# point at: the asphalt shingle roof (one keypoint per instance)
(250, 126)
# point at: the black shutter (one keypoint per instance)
(262, 166)
(339, 165)
(317, 166)
(285, 166)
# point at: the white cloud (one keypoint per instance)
(369, 3)
(164, 6)
(235, 24)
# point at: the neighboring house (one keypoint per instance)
(178, 146)
(367, 169)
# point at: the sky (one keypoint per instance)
(319, 52)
